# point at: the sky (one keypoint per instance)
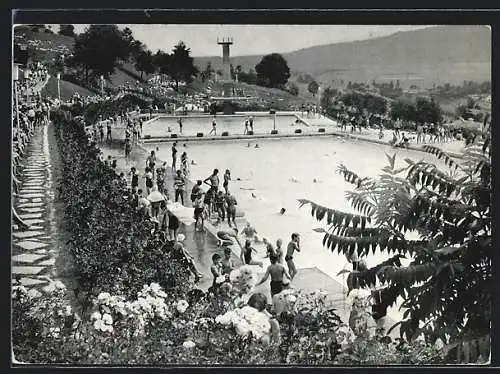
(252, 39)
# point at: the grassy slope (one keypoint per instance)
(68, 89)
(48, 46)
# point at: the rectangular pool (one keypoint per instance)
(234, 125)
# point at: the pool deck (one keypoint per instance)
(203, 244)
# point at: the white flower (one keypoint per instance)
(107, 319)
(182, 306)
(242, 328)
(21, 289)
(103, 297)
(439, 344)
(49, 288)
(189, 344)
(68, 311)
(224, 319)
(155, 287)
(220, 279)
(96, 315)
(34, 294)
(59, 285)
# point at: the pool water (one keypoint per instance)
(233, 125)
(279, 172)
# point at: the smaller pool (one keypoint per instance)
(234, 125)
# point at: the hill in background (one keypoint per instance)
(433, 55)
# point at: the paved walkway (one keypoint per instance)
(33, 256)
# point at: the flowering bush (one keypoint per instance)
(247, 320)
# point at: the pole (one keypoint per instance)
(17, 102)
(16, 79)
(274, 121)
(59, 86)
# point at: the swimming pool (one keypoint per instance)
(262, 124)
(281, 171)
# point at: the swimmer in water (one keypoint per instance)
(169, 129)
(256, 146)
(282, 211)
(315, 180)
(248, 145)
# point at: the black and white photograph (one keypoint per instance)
(230, 194)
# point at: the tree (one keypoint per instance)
(207, 72)
(328, 97)
(99, 49)
(37, 27)
(447, 286)
(313, 88)
(248, 77)
(181, 67)
(293, 89)
(272, 71)
(161, 61)
(403, 110)
(428, 111)
(67, 30)
(144, 63)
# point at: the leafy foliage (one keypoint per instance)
(99, 49)
(110, 241)
(272, 71)
(313, 87)
(67, 30)
(447, 285)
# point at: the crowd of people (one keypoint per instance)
(29, 112)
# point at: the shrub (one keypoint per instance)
(110, 241)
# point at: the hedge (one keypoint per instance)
(111, 243)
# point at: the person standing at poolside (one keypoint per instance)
(277, 271)
(227, 178)
(184, 164)
(179, 184)
(199, 207)
(246, 126)
(128, 149)
(228, 264)
(214, 181)
(108, 133)
(231, 210)
(214, 127)
(279, 250)
(151, 162)
(180, 124)
(293, 246)
(250, 121)
(174, 156)
(149, 180)
(101, 131)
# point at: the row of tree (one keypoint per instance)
(420, 111)
(102, 48)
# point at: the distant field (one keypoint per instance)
(424, 75)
